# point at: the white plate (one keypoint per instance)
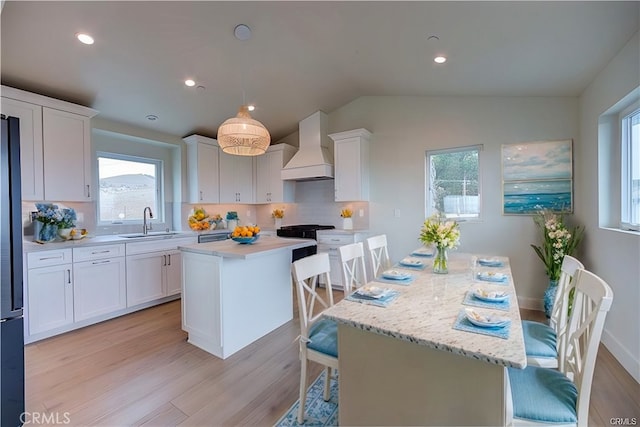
(411, 262)
(491, 296)
(490, 262)
(395, 275)
(485, 321)
(372, 291)
(492, 277)
(423, 251)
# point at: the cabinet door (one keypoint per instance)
(208, 190)
(30, 116)
(173, 272)
(67, 155)
(99, 287)
(263, 178)
(347, 171)
(50, 300)
(236, 179)
(144, 278)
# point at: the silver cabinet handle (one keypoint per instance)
(106, 261)
(169, 259)
(100, 252)
(200, 195)
(68, 275)
(164, 262)
(50, 257)
(88, 191)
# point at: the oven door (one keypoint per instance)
(296, 254)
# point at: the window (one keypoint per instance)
(630, 135)
(453, 182)
(128, 184)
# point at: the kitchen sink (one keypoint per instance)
(150, 234)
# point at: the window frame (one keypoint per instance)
(626, 157)
(158, 211)
(429, 206)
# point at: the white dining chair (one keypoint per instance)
(351, 258)
(318, 340)
(545, 344)
(378, 254)
(548, 396)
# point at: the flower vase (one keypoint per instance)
(549, 297)
(44, 233)
(347, 223)
(278, 222)
(440, 260)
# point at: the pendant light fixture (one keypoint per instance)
(241, 135)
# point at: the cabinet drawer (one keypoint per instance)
(335, 239)
(159, 245)
(90, 253)
(48, 258)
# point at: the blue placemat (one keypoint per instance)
(462, 324)
(410, 267)
(395, 281)
(469, 299)
(384, 301)
(422, 254)
(487, 263)
(488, 278)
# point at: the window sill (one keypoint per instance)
(619, 230)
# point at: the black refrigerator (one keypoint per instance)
(11, 320)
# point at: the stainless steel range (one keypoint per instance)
(304, 231)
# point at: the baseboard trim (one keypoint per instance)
(622, 354)
(530, 303)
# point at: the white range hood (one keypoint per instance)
(312, 161)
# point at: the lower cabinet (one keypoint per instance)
(328, 242)
(99, 287)
(50, 297)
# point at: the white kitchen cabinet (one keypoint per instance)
(351, 160)
(30, 115)
(49, 290)
(154, 269)
(236, 179)
(99, 281)
(270, 188)
(329, 242)
(56, 160)
(202, 169)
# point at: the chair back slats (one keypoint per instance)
(354, 274)
(592, 301)
(559, 313)
(305, 272)
(378, 253)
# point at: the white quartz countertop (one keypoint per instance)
(263, 246)
(426, 311)
(31, 246)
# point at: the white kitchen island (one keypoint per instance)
(234, 294)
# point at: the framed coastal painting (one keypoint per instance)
(537, 175)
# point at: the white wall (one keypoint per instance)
(405, 127)
(613, 255)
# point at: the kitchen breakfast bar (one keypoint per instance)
(406, 364)
(234, 294)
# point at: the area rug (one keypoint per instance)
(317, 411)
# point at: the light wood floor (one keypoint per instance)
(139, 370)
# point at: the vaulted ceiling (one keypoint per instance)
(302, 56)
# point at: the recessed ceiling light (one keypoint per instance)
(84, 38)
(190, 82)
(242, 32)
(152, 117)
(251, 107)
(440, 59)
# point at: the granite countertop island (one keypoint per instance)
(429, 372)
(265, 245)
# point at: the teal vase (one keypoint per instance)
(549, 297)
(44, 233)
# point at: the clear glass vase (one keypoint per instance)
(440, 260)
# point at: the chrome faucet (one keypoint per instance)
(146, 226)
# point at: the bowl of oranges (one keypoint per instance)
(245, 234)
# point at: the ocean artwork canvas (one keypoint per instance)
(537, 160)
(529, 197)
(537, 175)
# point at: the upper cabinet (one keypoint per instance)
(55, 142)
(270, 188)
(202, 169)
(236, 179)
(351, 158)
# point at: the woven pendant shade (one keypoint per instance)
(243, 136)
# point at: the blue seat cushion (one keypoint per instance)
(323, 337)
(539, 339)
(543, 395)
